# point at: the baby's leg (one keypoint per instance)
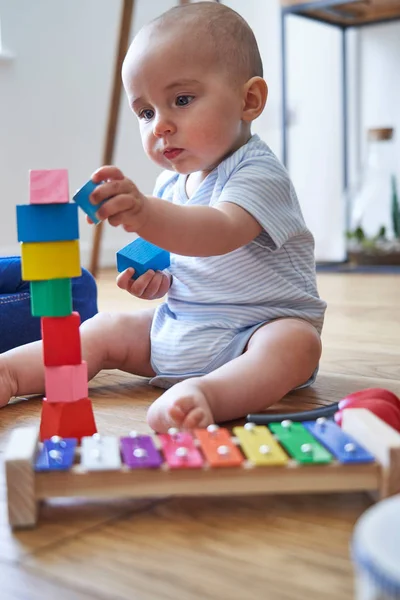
(279, 357)
(109, 341)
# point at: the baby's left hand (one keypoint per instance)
(149, 286)
(125, 205)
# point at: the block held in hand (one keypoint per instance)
(81, 197)
(142, 256)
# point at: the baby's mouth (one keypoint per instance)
(171, 153)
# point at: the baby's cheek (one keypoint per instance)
(146, 143)
(210, 138)
(149, 148)
(157, 158)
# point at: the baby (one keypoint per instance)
(240, 325)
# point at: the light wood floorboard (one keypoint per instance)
(278, 547)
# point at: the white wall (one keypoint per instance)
(380, 91)
(315, 115)
(54, 99)
(315, 140)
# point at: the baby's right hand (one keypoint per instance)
(149, 286)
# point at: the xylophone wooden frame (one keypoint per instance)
(27, 488)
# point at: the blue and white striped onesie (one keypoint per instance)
(215, 303)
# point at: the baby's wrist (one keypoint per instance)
(142, 215)
(145, 213)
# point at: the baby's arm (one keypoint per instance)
(186, 230)
(198, 230)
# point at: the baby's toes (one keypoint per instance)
(176, 413)
(195, 419)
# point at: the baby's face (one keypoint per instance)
(189, 115)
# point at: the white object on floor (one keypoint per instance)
(376, 552)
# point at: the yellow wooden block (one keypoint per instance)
(259, 445)
(50, 260)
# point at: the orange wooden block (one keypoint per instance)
(66, 383)
(218, 448)
(61, 340)
(67, 419)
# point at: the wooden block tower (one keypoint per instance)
(49, 234)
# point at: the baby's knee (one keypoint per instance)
(307, 338)
(292, 336)
(314, 347)
(101, 323)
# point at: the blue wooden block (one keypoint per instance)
(338, 442)
(57, 454)
(47, 222)
(142, 256)
(81, 197)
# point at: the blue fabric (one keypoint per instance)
(17, 326)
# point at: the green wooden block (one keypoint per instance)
(51, 298)
(299, 443)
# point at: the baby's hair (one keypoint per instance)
(231, 39)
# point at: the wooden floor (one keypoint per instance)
(280, 548)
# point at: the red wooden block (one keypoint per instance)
(61, 340)
(67, 419)
(67, 383)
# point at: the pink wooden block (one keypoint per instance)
(48, 186)
(67, 383)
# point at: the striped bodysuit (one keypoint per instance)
(215, 303)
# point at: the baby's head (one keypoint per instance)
(194, 79)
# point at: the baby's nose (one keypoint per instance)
(163, 126)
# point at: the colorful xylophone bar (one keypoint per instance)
(316, 457)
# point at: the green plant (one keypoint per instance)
(381, 235)
(358, 234)
(368, 243)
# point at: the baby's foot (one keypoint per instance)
(7, 386)
(185, 405)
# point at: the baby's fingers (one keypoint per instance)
(141, 284)
(153, 288)
(124, 279)
(150, 285)
(107, 172)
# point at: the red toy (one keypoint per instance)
(369, 393)
(61, 340)
(67, 419)
(383, 403)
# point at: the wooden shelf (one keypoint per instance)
(346, 14)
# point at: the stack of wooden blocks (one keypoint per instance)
(48, 230)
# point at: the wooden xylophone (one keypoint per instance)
(315, 456)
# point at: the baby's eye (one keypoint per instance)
(147, 114)
(183, 100)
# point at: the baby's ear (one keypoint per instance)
(255, 93)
